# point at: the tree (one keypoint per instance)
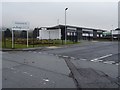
(36, 32)
(7, 33)
(23, 34)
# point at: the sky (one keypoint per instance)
(100, 15)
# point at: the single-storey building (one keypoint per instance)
(116, 33)
(73, 33)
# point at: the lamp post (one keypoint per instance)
(65, 25)
(112, 33)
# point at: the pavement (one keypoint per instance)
(86, 65)
(34, 70)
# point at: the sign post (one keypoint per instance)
(27, 38)
(20, 26)
(12, 39)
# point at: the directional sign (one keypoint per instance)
(20, 26)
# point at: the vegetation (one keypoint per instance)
(20, 39)
(21, 43)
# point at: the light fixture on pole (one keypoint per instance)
(112, 33)
(65, 25)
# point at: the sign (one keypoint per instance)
(20, 26)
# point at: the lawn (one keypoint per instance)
(21, 43)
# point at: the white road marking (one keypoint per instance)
(117, 64)
(72, 57)
(59, 55)
(31, 75)
(101, 57)
(47, 80)
(65, 56)
(52, 47)
(40, 52)
(83, 59)
(28, 74)
(109, 62)
(12, 68)
(96, 60)
(24, 72)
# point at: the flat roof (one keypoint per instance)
(59, 26)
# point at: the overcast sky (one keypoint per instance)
(103, 15)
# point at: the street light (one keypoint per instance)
(65, 25)
(112, 33)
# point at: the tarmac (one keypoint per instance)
(75, 73)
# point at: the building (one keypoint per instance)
(73, 33)
(45, 33)
(115, 33)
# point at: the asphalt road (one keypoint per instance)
(99, 56)
(92, 64)
(102, 52)
(34, 70)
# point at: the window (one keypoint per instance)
(68, 33)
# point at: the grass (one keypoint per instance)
(21, 43)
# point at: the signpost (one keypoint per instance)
(20, 26)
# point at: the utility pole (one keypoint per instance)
(65, 25)
(112, 33)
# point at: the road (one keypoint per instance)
(85, 65)
(98, 56)
(34, 70)
(90, 51)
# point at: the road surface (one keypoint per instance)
(85, 65)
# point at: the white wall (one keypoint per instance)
(50, 34)
(115, 32)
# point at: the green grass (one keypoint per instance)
(37, 43)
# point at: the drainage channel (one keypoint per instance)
(74, 73)
(79, 78)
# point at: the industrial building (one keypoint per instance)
(116, 33)
(112, 34)
(73, 33)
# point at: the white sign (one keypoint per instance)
(20, 26)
